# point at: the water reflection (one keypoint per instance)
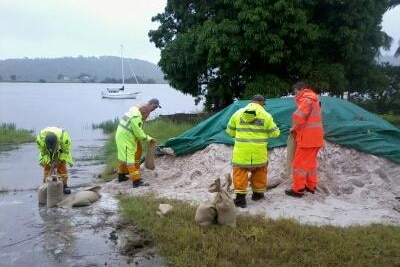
(58, 233)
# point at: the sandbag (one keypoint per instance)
(82, 198)
(42, 194)
(226, 209)
(150, 155)
(55, 192)
(221, 209)
(290, 149)
(206, 214)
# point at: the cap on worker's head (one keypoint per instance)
(51, 141)
(258, 98)
(299, 86)
(155, 102)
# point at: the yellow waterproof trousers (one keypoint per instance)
(132, 169)
(257, 177)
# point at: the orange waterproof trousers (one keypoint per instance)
(134, 169)
(61, 169)
(257, 178)
(304, 168)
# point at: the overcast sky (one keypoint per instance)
(57, 28)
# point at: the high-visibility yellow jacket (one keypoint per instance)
(307, 120)
(64, 146)
(251, 127)
(130, 131)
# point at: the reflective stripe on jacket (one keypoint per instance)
(129, 131)
(250, 128)
(307, 120)
(64, 145)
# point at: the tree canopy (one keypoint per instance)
(231, 49)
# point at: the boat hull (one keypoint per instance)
(119, 95)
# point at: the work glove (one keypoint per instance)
(149, 138)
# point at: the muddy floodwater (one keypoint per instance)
(32, 235)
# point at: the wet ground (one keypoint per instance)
(32, 235)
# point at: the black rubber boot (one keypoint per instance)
(122, 177)
(292, 193)
(312, 191)
(139, 183)
(257, 196)
(66, 190)
(240, 200)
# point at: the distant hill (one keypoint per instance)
(83, 69)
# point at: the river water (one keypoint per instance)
(35, 236)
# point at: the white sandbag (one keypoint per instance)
(82, 198)
(42, 194)
(226, 209)
(150, 155)
(290, 149)
(221, 209)
(85, 198)
(206, 214)
(55, 192)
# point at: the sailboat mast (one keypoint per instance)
(122, 66)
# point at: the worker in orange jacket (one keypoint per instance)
(309, 137)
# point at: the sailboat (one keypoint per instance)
(120, 93)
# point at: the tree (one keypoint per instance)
(383, 96)
(228, 49)
(13, 77)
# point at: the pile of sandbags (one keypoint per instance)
(221, 209)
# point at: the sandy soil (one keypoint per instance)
(355, 188)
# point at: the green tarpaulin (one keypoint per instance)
(344, 123)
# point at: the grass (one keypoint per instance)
(108, 127)
(10, 135)
(257, 241)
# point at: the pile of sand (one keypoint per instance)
(354, 188)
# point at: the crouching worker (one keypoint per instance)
(128, 136)
(250, 128)
(55, 147)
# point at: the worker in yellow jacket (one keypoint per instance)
(128, 136)
(250, 128)
(54, 145)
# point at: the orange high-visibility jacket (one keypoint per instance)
(307, 120)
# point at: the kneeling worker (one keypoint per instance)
(55, 147)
